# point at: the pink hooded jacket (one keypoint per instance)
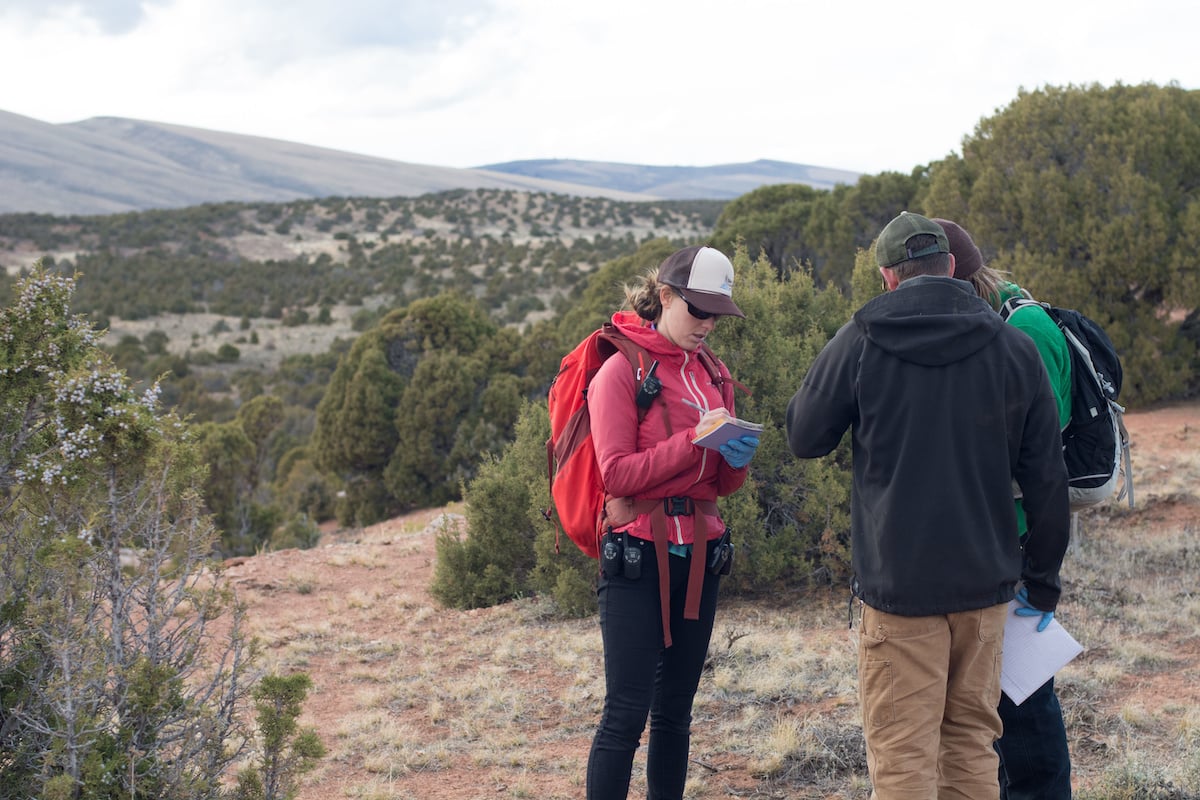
(656, 458)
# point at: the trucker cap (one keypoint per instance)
(703, 276)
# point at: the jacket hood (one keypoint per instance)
(646, 335)
(929, 320)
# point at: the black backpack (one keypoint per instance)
(1095, 442)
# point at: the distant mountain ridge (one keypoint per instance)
(719, 182)
(107, 165)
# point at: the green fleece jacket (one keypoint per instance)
(1052, 346)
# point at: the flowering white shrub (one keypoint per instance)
(114, 686)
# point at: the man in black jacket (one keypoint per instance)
(947, 407)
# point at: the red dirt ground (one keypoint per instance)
(294, 595)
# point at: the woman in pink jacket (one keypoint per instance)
(666, 545)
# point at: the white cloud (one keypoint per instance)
(108, 16)
(869, 86)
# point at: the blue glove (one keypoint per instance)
(738, 452)
(1026, 610)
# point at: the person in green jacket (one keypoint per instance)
(1034, 759)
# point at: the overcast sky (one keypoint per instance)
(864, 86)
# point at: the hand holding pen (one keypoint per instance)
(710, 417)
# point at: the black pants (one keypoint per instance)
(644, 678)
(1035, 763)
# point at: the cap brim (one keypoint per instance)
(712, 302)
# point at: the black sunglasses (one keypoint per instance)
(695, 312)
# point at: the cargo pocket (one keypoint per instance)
(991, 635)
(991, 623)
(875, 678)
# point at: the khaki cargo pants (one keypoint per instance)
(929, 688)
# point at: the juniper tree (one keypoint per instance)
(123, 663)
(1087, 195)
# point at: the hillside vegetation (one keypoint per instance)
(515, 252)
(401, 340)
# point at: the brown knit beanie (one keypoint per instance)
(967, 258)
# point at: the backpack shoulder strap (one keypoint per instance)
(610, 341)
(1021, 301)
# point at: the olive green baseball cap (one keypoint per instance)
(892, 245)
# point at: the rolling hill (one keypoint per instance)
(719, 182)
(107, 165)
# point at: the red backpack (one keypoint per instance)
(576, 488)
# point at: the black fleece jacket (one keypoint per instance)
(947, 407)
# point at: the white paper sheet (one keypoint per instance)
(1032, 658)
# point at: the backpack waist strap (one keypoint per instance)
(620, 511)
